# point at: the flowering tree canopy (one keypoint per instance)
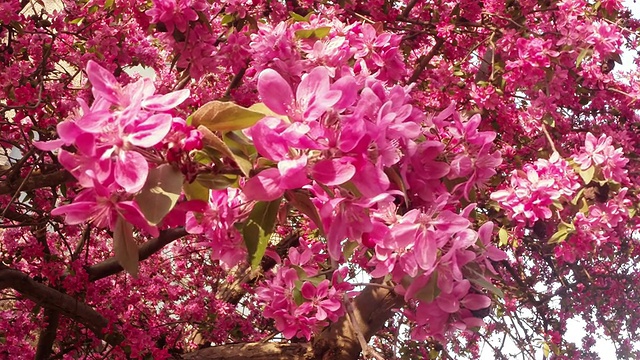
(262, 179)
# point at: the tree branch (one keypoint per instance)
(254, 351)
(111, 265)
(424, 60)
(47, 335)
(371, 310)
(56, 301)
(36, 182)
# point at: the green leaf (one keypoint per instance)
(564, 230)
(216, 182)
(477, 277)
(241, 153)
(125, 247)
(321, 32)
(297, 296)
(577, 198)
(503, 236)
(201, 157)
(214, 141)
(302, 202)
(227, 19)
(545, 350)
(263, 109)
(236, 152)
(300, 271)
(559, 236)
(587, 175)
(582, 55)
(304, 33)
(430, 291)
(196, 191)
(349, 248)
(160, 193)
(77, 21)
(258, 229)
(108, 4)
(299, 18)
(225, 116)
(318, 33)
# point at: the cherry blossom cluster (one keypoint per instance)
(538, 189)
(341, 135)
(345, 145)
(299, 297)
(113, 145)
(215, 221)
(600, 153)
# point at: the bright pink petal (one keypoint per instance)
(131, 170)
(485, 233)
(476, 301)
(320, 104)
(349, 88)
(275, 91)
(267, 139)
(264, 187)
(293, 173)
(337, 234)
(333, 171)
(103, 82)
(314, 84)
(131, 212)
(76, 213)
(68, 131)
(48, 145)
(451, 222)
(151, 131)
(308, 290)
(426, 251)
(94, 122)
(79, 166)
(167, 101)
(448, 303)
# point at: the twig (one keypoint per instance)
(111, 265)
(424, 60)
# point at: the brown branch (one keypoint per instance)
(235, 82)
(47, 335)
(425, 59)
(371, 310)
(408, 8)
(36, 182)
(254, 351)
(111, 266)
(56, 301)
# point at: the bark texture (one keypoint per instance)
(371, 309)
(254, 351)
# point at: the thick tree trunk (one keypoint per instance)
(254, 351)
(371, 309)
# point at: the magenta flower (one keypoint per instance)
(271, 183)
(321, 300)
(174, 13)
(100, 206)
(312, 99)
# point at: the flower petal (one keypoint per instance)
(275, 91)
(333, 171)
(131, 171)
